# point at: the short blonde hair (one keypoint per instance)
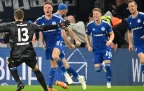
(96, 9)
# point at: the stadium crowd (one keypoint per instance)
(116, 13)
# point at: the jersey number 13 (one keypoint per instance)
(23, 35)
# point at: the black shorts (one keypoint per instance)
(15, 62)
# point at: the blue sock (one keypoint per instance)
(59, 74)
(51, 77)
(61, 66)
(142, 68)
(72, 71)
(108, 72)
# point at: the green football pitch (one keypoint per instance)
(77, 88)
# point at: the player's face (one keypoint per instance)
(132, 7)
(48, 9)
(96, 15)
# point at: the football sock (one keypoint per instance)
(14, 73)
(59, 74)
(51, 77)
(108, 72)
(61, 66)
(40, 79)
(72, 71)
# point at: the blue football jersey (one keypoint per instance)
(58, 15)
(51, 36)
(99, 35)
(136, 25)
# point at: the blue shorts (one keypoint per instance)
(102, 56)
(48, 52)
(139, 49)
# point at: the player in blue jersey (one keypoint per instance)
(54, 41)
(61, 12)
(101, 43)
(136, 27)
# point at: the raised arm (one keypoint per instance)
(4, 27)
(49, 27)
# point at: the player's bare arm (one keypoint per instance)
(88, 43)
(130, 41)
(42, 40)
(110, 39)
(72, 34)
(63, 34)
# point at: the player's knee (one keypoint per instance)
(35, 68)
(55, 58)
(53, 66)
(66, 65)
(107, 65)
(98, 69)
(11, 68)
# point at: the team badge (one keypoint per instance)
(139, 20)
(130, 23)
(103, 29)
(53, 23)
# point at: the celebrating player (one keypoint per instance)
(61, 12)
(21, 34)
(136, 26)
(54, 41)
(44, 37)
(101, 43)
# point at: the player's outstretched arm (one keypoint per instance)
(49, 27)
(45, 27)
(63, 34)
(4, 27)
(72, 34)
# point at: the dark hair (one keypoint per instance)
(50, 3)
(97, 9)
(132, 1)
(90, 15)
(19, 14)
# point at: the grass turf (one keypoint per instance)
(77, 88)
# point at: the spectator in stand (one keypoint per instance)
(120, 10)
(78, 28)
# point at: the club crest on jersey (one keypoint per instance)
(130, 23)
(139, 20)
(93, 29)
(53, 23)
(103, 29)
